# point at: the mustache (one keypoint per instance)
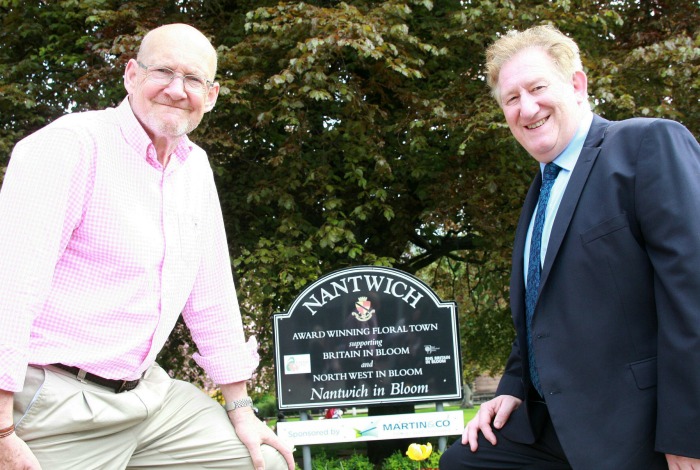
(172, 104)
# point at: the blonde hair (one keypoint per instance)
(561, 48)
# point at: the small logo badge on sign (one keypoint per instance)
(297, 364)
(363, 309)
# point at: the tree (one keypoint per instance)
(356, 132)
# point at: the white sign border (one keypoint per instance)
(372, 428)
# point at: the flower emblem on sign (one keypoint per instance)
(363, 309)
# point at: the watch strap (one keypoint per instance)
(241, 403)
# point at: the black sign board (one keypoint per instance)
(367, 335)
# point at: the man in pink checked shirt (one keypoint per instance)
(111, 228)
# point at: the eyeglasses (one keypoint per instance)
(164, 76)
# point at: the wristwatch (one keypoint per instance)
(242, 403)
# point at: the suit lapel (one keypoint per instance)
(586, 160)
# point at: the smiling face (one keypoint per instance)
(543, 110)
(168, 112)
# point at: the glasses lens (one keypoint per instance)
(164, 75)
(161, 75)
(195, 84)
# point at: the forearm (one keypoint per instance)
(6, 402)
(250, 430)
(237, 391)
(234, 391)
(14, 452)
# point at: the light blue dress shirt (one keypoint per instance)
(567, 161)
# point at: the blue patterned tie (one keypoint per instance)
(535, 265)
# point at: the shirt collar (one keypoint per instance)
(138, 139)
(569, 156)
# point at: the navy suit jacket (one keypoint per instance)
(616, 330)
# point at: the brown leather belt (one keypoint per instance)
(118, 386)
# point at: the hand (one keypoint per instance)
(677, 462)
(15, 454)
(253, 433)
(498, 411)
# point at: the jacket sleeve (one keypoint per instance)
(511, 382)
(667, 192)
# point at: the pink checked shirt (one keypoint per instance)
(101, 249)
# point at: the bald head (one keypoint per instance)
(179, 41)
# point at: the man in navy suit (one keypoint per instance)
(605, 290)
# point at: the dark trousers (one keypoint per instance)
(545, 454)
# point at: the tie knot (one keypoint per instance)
(551, 171)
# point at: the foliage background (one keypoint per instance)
(356, 132)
